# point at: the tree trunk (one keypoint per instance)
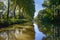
(19, 13)
(21, 16)
(8, 9)
(14, 11)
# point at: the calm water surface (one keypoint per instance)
(38, 34)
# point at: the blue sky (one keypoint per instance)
(38, 6)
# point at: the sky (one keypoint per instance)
(38, 6)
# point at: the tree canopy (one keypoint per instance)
(49, 17)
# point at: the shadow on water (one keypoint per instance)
(38, 34)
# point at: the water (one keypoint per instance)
(38, 34)
(10, 35)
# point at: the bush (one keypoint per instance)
(6, 23)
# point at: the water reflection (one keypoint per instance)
(16, 33)
(13, 34)
(9, 35)
(3, 36)
(38, 34)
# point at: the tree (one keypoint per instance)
(50, 15)
(27, 7)
(8, 9)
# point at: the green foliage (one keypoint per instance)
(16, 11)
(49, 18)
(27, 6)
(51, 13)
